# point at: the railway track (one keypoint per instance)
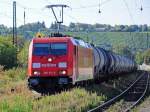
(132, 95)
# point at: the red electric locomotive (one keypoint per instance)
(57, 61)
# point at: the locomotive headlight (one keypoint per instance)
(36, 73)
(62, 64)
(49, 59)
(63, 72)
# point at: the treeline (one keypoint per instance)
(102, 27)
(32, 28)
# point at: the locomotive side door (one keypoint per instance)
(75, 64)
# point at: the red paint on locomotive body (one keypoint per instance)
(50, 65)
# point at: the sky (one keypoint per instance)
(113, 12)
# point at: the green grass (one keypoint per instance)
(11, 76)
(16, 104)
(76, 100)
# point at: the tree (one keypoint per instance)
(72, 25)
(146, 56)
(139, 57)
(53, 26)
(118, 28)
(148, 28)
(8, 53)
(133, 28)
(3, 30)
(126, 28)
(145, 27)
(34, 27)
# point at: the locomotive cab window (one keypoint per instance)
(41, 49)
(58, 48)
(50, 49)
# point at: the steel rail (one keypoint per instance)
(109, 102)
(142, 96)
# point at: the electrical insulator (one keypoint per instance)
(141, 8)
(99, 11)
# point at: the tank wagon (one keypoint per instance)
(64, 60)
(107, 63)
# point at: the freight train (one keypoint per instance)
(55, 61)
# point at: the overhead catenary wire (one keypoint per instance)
(6, 3)
(91, 6)
(22, 6)
(5, 15)
(48, 1)
(28, 10)
(130, 14)
(33, 10)
(72, 18)
(9, 16)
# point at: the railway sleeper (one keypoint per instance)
(143, 85)
(142, 90)
(135, 92)
(132, 97)
(139, 88)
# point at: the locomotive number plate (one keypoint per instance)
(48, 65)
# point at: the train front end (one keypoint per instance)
(49, 62)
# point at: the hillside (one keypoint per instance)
(134, 40)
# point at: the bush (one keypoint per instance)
(8, 53)
(15, 73)
(1, 68)
(23, 55)
(7, 77)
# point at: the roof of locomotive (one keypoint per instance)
(74, 41)
(51, 39)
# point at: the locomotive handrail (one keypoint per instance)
(117, 97)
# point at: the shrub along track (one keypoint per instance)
(131, 96)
